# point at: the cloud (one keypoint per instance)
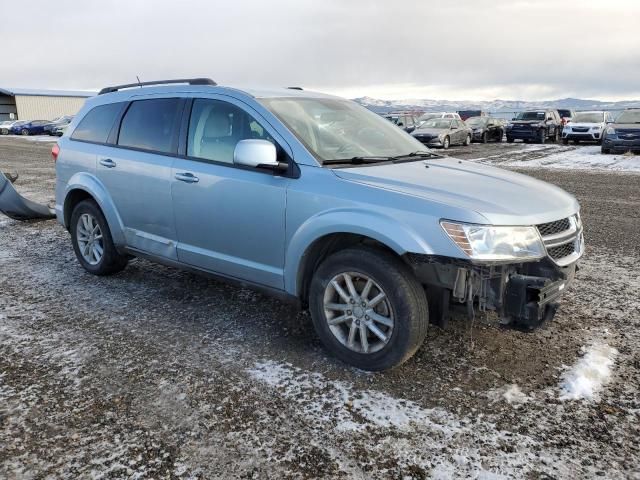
(463, 49)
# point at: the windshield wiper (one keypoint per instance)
(415, 155)
(358, 160)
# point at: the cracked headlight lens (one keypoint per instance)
(495, 243)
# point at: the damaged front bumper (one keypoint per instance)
(523, 295)
(15, 206)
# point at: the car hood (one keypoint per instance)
(626, 126)
(501, 196)
(429, 131)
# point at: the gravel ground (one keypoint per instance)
(158, 373)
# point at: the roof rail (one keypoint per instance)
(190, 81)
(295, 88)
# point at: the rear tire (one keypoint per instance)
(404, 308)
(509, 140)
(485, 137)
(92, 242)
(542, 136)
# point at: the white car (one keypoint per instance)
(430, 115)
(586, 126)
(5, 127)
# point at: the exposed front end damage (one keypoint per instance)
(524, 295)
(15, 206)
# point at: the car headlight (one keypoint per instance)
(495, 243)
(611, 131)
(441, 136)
(509, 126)
(566, 129)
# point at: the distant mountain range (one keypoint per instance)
(496, 106)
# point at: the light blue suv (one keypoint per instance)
(314, 199)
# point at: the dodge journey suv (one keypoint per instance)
(315, 199)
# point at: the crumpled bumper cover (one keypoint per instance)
(15, 206)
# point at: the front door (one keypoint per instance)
(229, 219)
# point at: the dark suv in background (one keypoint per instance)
(623, 135)
(535, 125)
(406, 121)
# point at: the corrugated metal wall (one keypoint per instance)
(47, 108)
(7, 107)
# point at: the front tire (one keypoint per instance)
(467, 141)
(542, 136)
(605, 151)
(509, 140)
(24, 132)
(446, 142)
(92, 242)
(565, 141)
(368, 308)
(485, 137)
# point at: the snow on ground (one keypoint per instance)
(570, 158)
(587, 377)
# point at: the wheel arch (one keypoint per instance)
(320, 237)
(84, 186)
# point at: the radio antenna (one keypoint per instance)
(139, 83)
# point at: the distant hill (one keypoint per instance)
(496, 106)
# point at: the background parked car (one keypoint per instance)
(465, 114)
(60, 129)
(5, 126)
(486, 129)
(34, 127)
(566, 115)
(623, 135)
(429, 115)
(9, 130)
(587, 127)
(443, 132)
(65, 120)
(535, 125)
(406, 121)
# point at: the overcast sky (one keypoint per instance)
(456, 49)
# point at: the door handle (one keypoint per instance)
(107, 162)
(187, 177)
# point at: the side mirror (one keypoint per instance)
(400, 124)
(257, 153)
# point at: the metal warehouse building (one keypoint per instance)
(27, 104)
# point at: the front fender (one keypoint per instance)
(94, 187)
(386, 230)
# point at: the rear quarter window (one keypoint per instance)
(96, 125)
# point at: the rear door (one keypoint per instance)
(137, 173)
(230, 219)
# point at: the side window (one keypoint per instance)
(409, 121)
(216, 127)
(151, 125)
(96, 125)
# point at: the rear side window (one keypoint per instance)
(151, 125)
(96, 125)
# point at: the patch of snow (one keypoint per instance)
(510, 393)
(587, 377)
(581, 158)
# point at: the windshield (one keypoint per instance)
(629, 116)
(588, 117)
(427, 116)
(477, 121)
(437, 123)
(530, 116)
(334, 129)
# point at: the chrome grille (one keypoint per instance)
(552, 228)
(562, 239)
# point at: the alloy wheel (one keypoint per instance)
(89, 238)
(358, 312)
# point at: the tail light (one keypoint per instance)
(55, 151)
